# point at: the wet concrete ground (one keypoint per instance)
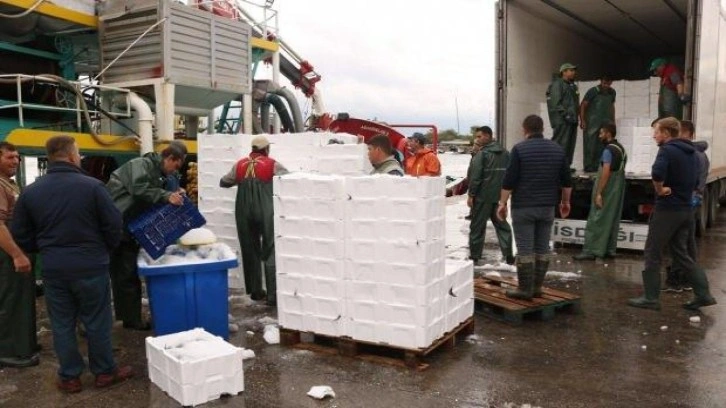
(594, 359)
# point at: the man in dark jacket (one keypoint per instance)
(486, 172)
(537, 178)
(71, 220)
(255, 218)
(380, 153)
(136, 187)
(563, 105)
(675, 174)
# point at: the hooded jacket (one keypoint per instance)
(486, 172)
(676, 165)
(704, 165)
(423, 163)
(388, 166)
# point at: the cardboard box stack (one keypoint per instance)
(194, 367)
(363, 256)
(308, 152)
(636, 105)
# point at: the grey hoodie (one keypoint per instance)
(704, 165)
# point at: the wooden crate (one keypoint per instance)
(374, 352)
(490, 299)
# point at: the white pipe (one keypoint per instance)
(318, 105)
(146, 120)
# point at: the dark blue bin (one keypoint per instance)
(183, 297)
(162, 225)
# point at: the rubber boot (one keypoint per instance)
(701, 293)
(651, 286)
(540, 270)
(525, 276)
(271, 283)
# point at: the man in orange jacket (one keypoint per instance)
(423, 161)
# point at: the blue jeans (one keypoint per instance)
(532, 229)
(87, 300)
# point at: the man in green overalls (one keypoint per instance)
(672, 96)
(255, 218)
(486, 172)
(596, 109)
(563, 102)
(603, 223)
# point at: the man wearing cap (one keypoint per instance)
(380, 153)
(254, 215)
(423, 161)
(563, 101)
(135, 187)
(597, 108)
(671, 97)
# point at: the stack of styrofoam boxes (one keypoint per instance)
(654, 94)
(297, 152)
(194, 366)
(395, 255)
(309, 246)
(389, 265)
(460, 296)
(636, 136)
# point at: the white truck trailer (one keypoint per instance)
(618, 37)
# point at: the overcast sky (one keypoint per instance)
(399, 61)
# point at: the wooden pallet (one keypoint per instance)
(374, 352)
(490, 299)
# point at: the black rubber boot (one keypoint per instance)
(701, 293)
(540, 270)
(525, 276)
(651, 286)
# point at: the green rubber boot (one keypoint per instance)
(651, 286)
(525, 276)
(540, 270)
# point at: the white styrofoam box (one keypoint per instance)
(291, 263)
(412, 251)
(322, 209)
(363, 250)
(194, 366)
(329, 187)
(372, 186)
(411, 295)
(298, 164)
(409, 336)
(326, 229)
(362, 290)
(327, 326)
(348, 165)
(636, 88)
(367, 271)
(636, 106)
(415, 187)
(368, 330)
(290, 302)
(290, 206)
(366, 229)
(654, 84)
(291, 185)
(364, 310)
(291, 283)
(291, 226)
(463, 292)
(421, 316)
(624, 123)
(323, 287)
(645, 123)
(327, 268)
(291, 320)
(406, 209)
(364, 208)
(429, 229)
(349, 149)
(466, 310)
(292, 246)
(414, 274)
(328, 248)
(324, 307)
(464, 273)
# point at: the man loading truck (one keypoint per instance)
(563, 101)
(672, 96)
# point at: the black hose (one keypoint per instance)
(279, 105)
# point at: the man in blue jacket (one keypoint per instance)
(675, 176)
(71, 220)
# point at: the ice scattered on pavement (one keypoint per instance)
(247, 354)
(233, 328)
(513, 405)
(563, 275)
(644, 347)
(678, 341)
(250, 333)
(663, 328)
(493, 274)
(321, 391)
(695, 319)
(272, 334)
(267, 320)
(473, 338)
(502, 266)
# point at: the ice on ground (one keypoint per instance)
(663, 328)
(250, 333)
(563, 275)
(244, 300)
(272, 334)
(267, 320)
(321, 391)
(695, 319)
(247, 354)
(501, 266)
(493, 274)
(182, 255)
(473, 338)
(233, 328)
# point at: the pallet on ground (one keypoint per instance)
(374, 352)
(490, 299)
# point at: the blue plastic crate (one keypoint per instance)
(162, 225)
(183, 297)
